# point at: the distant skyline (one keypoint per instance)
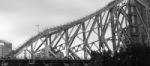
(18, 18)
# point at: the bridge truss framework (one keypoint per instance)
(119, 24)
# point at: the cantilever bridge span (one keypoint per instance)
(115, 27)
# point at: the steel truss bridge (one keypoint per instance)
(119, 25)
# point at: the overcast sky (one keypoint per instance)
(18, 18)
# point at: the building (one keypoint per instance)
(5, 48)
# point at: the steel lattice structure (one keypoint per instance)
(119, 24)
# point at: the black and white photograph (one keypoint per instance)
(74, 32)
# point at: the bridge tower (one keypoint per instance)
(133, 23)
(137, 15)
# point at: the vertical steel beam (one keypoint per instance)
(67, 43)
(50, 42)
(98, 29)
(25, 54)
(148, 30)
(101, 33)
(84, 41)
(47, 49)
(32, 52)
(113, 29)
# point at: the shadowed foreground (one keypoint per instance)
(137, 55)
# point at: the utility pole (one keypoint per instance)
(38, 28)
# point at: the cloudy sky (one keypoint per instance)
(18, 18)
